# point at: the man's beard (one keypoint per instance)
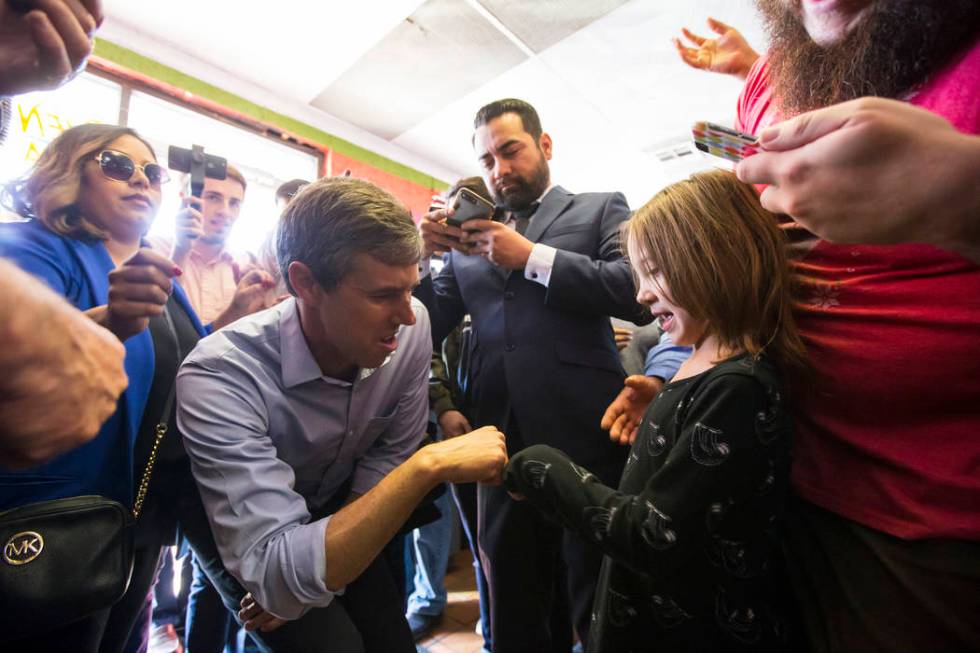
(896, 46)
(523, 192)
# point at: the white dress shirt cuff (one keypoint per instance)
(540, 263)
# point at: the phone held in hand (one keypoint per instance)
(724, 142)
(468, 205)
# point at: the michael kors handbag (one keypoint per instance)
(64, 559)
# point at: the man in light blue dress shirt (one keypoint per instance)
(303, 423)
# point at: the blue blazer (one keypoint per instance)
(79, 270)
(547, 355)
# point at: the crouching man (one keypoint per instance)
(303, 421)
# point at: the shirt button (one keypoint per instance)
(509, 294)
(510, 347)
(534, 275)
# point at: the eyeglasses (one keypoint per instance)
(119, 166)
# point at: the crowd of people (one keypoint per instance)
(792, 465)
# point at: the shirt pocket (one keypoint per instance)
(373, 429)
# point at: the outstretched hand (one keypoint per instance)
(623, 416)
(480, 456)
(728, 54)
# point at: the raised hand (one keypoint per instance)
(251, 295)
(728, 54)
(188, 227)
(44, 47)
(438, 237)
(138, 290)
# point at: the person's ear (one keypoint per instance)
(545, 144)
(304, 284)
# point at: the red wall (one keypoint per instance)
(415, 196)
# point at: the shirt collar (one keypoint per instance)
(536, 203)
(224, 257)
(298, 364)
(546, 191)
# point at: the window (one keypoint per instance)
(39, 117)
(265, 162)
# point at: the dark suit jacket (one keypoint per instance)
(547, 355)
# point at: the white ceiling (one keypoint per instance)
(404, 77)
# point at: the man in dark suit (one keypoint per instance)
(540, 286)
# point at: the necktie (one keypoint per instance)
(523, 217)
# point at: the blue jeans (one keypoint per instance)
(211, 627)
(427, 555)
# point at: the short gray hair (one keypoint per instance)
(334, 219)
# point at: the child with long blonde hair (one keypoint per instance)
(690, 536)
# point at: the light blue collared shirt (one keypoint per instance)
(271, 439)
(665, 358)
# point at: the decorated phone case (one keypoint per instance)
(724, 142)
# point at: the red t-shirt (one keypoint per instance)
(888, 428)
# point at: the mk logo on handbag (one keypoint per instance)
(23, 548)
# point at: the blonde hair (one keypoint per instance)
(724, 259)
(49, 192)
(231, 172)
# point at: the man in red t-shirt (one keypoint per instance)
(884, 539)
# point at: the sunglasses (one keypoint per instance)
(118, 166)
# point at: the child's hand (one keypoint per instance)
(622, 418)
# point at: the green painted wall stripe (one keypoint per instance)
(137, 62)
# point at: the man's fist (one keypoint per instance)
(61, 374)
(43, 48)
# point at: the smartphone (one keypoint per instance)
(469, 206)
(724, 142)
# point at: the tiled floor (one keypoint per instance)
(456, 632)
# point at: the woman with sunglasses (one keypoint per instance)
(87, 203)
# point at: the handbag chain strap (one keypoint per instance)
(162, 426)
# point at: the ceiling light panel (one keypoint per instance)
(542, 23)
(440, 53)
